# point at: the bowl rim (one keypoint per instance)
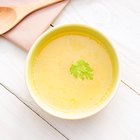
(90, 113)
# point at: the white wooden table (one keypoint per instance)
(22, 119)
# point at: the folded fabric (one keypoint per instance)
(29, 29)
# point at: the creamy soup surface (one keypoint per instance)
(55, 86)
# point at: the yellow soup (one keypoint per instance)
(72, 73)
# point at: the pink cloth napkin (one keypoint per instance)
(29, 29)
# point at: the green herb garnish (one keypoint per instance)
(82, 70)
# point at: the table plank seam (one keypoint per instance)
(51, 25)
(44, 118)
(130, 87)
(5, 87)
